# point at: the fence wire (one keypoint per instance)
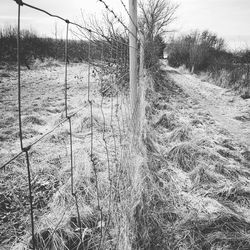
(117, 18)
(112, 68)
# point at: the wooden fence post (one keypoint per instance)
(133, 68)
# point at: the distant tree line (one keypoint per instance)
(200, 51)
(36, 47)
(155, 17)
(205, 51)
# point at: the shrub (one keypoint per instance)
(197, 51)
(34, 47)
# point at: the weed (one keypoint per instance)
(185, 155)
(33, 120)
(180, 134)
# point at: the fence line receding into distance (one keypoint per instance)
(116, 67)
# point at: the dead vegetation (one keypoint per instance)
(196, 189)
(185, 156)
(33, 120)
(190, 190)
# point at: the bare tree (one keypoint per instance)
(109, 44)
(156, 16)
(154, 22)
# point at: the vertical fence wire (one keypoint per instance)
(30, 199)
(79, 221)
(116, 108)
(125, 87)
(66, 68)
(107, 224)
(19, 76)
(90, 101)
(113, 125)
(71, 157)
(106, 144)
(113, 92)
(26, 150)
(118, 87)
(73, 192)
(89, 65)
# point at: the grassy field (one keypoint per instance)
(43, 109)
(42, 105)
(42, 102)
(191, 191)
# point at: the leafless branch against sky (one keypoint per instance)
(228, 18)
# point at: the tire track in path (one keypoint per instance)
(230, 111)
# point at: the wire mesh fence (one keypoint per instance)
(84, 207)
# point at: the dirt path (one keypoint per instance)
(230, 111)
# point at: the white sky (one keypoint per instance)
(230, 19)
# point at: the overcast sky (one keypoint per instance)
(230, 19)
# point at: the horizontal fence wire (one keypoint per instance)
(117, 70)
(117, 18)
(21, 3)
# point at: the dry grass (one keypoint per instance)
(185, 156)
(47, 62)
(196, 193)
(181, 134)
(33, 120)
(167, 121)
(236, 78)
(182, 188)
(86, 123)
(59, 225)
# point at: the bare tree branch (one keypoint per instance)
(156, 16)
